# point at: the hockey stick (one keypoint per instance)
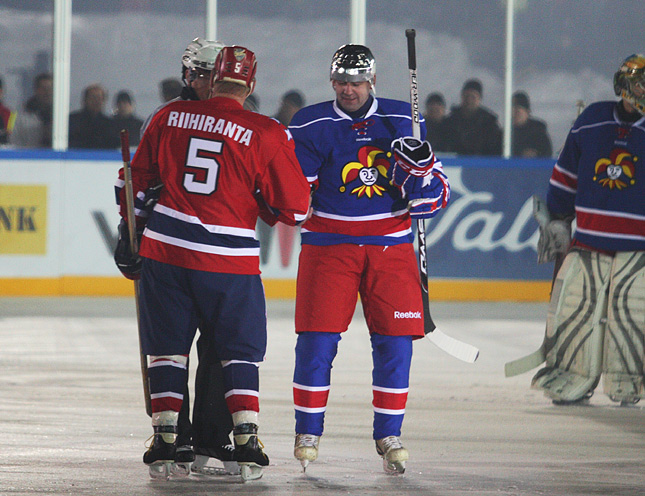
(458, 349)
(538, 357)
(129, 201)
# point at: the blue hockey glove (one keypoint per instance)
(434, 197)
(413, 163)
(128, 263)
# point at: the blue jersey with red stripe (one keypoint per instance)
(599, 176)
(346, 160)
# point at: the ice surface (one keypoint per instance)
(73, 421)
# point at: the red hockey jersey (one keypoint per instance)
(218, 163)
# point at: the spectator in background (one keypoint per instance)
(125, 118)
(530, 137)
(472, 129)
(33, 127)
(90, 127)
(7, 118)
(291, 102)
(170, 89)
(435, 116)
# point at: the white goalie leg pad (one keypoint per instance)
(575, 327)
(625, 335)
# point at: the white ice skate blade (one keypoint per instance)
(180, 469)
(393, 468)
(231, 468)
(159, 471)
(251, 471)
(200, 467)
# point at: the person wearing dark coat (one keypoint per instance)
(435, 116)
(90, 127)
(472, 129)
(529, 136)
(125, 118)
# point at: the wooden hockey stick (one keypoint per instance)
(458, 349)
(129, 200)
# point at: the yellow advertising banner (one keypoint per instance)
(23, 219)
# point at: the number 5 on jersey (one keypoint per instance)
(201, 155)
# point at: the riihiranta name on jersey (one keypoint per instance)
(209, 124)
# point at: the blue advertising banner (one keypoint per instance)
(482, 246)
(488, 231)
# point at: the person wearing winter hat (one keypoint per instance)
(471, 128)
(529, 136)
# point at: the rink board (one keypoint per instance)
(58, 227)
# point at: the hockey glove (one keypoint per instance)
(554, 240)
(413, 163)
(434, 197)
(128, 263)
(151, 197)
(555, 234)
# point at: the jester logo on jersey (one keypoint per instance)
(617, 171)
(372, 162)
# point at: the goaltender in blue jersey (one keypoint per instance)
(596, 316)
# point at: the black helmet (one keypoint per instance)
(353, 63)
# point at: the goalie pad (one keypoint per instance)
(624, 347)
(575, 327)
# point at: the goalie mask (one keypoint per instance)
(236, 64)
(629, 81)
(353, 63)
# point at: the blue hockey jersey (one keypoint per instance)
(346, 161)
(600, 177)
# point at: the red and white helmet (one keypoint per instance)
(236, 64)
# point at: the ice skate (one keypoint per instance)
(249, 451)
(393, 453)
(161, 455)
(306, 449)
(184, 457)
(226, 454)
(582, 401)
(629, 401)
